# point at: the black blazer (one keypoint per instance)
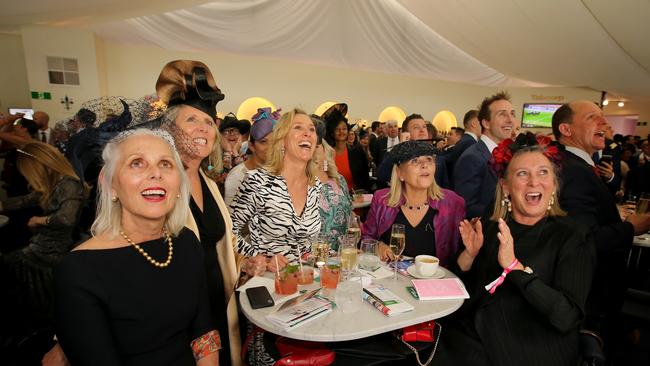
(452, 155)
(587, 200)
(474, 181)
(359, 167)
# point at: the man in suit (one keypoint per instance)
(579, 127)
(385, 143)
(470, 136)
(42, 119)
(472, 178)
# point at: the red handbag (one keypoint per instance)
(303, 353)
(423, 332)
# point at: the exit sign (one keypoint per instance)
(41, 95)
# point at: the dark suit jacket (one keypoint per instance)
(359, 167)
(474, 181)
(586, 199)
(452, 155)
(378, 149)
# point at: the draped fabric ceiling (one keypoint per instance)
(592, 43)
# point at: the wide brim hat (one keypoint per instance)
(187, 82)
(231, 121)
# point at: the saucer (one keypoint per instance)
(440, 273)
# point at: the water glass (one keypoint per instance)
(643, 206)
(369, 257)
(349, 296)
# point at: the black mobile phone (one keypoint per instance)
(259, 297)
(606, 158)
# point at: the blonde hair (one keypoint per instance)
(43, 166)
(396, 186)
(275, 163)
(332, 171)
(501, 211)
(109, 214)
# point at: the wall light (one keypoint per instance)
(605, 102)
(621, 104)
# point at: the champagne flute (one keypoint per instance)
(348, 253)
(354, 227)
(397, 244)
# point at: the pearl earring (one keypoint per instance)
(551, 202)
(114, 199)
(506, 202)
(325, 166)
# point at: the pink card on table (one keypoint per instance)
(440, 289)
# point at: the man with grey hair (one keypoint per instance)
(385, 144)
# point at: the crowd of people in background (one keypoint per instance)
(241, 197)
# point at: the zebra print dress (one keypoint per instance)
(263, 203)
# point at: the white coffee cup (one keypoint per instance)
(426, 265)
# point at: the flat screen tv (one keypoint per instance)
(538, 115)
(28, 112)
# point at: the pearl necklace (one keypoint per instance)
(147, 256)
(417, 207)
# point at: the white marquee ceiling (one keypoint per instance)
(593, 43)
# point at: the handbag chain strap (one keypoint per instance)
(435, 347)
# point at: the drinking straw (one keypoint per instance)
(277, 266)
(302, 273)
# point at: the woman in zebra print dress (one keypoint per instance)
(279, 203)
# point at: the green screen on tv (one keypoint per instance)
(538, 115)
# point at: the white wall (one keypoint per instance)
(642, 110)
(40, 42)
(14, 89)
(132, 70)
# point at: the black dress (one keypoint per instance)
(211, 229)
(115, 308)
(531, 319)
(421, 238)
(26, 274)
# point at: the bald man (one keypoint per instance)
(42, 119)
(580, 127)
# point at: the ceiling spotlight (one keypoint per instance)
(620, 104)
(605, 102)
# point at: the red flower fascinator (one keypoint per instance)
(503, 153)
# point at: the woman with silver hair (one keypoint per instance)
(135, 293)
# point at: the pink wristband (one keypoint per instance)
(492, 286)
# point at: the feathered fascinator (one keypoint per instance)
(503, 153)
(186, 82)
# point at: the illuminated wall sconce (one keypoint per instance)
(249, 107)
(605, 102)
(392, 113)
(621, 104)
(444, 121)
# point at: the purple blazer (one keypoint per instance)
(451, 211)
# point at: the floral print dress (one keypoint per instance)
(335, 209)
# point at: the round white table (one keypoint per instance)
(367, 321)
